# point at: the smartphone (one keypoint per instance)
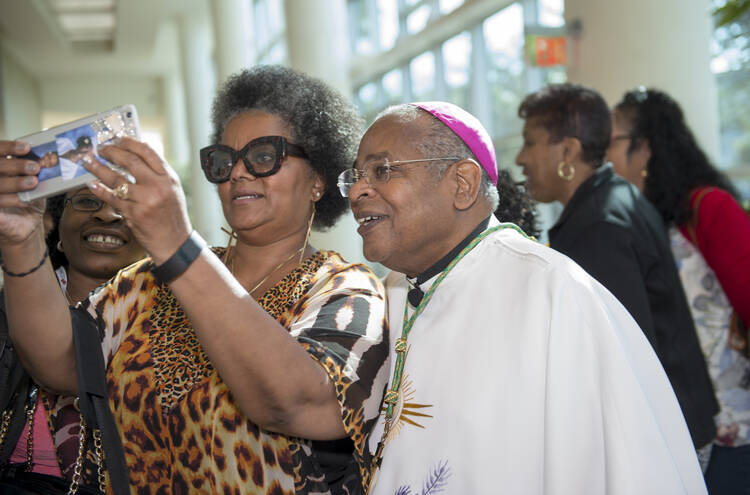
(61, 150)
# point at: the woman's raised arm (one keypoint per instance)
(38, 315)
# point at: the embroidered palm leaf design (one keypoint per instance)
(437, 479)
(435, 482)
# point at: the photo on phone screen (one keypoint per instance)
(61, 151)
(64, 156)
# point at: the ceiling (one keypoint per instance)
(78, 37)
(87, 24)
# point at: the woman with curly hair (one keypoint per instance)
(653, 147)
(515, 205)
(256, 368)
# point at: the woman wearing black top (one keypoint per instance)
(615, 234)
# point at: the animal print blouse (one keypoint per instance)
(182, 431)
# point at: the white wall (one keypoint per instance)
(659, 43)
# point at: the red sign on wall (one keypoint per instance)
(546, 51)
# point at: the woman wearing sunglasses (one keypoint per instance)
(256, 368)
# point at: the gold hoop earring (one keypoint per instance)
(232, 236)
(644, 173)
(307, 235)
(561, 171)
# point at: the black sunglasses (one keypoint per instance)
(262, 157)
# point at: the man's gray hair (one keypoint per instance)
(440, 141)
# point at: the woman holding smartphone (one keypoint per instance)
(255, 368)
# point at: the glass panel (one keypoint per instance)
(555, 75)
(731, 67)
(457, 60)
(447, 6)
(417, 20)
(393, 87)
(388, 23)
(260, 18)
(367, 100)
(503, 33)
(270, 43)
(276, 15)
(422, 69)
(551, 13)
(276, 55)
(269, 21)
(362, 27)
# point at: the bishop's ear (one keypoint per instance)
(468, 182)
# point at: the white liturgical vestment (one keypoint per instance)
(525, 376)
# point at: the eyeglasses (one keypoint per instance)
(84, 202)
(376, 172)
(262, 157)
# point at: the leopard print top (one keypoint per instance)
(182, 431)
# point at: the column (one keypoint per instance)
(232, 34)
(663, 44)
(177, 150)
(318, 41)
(199, 80)
(318, 44)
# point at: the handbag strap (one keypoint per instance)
(695, 202)
(15, 385)
(93, 400)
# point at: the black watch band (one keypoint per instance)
(180, 260)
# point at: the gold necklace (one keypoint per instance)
(299, 251)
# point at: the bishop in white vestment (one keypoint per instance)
(525, 376)
(515, 371)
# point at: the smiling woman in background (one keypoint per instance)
(88, 242)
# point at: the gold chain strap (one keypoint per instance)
(99, 452)
(78, 468)
(7, 415)
(377, 459)
(30, 411)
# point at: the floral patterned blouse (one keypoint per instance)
(728, 366)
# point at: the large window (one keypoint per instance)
(268, 21)
(731, 65)
(480, 66)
